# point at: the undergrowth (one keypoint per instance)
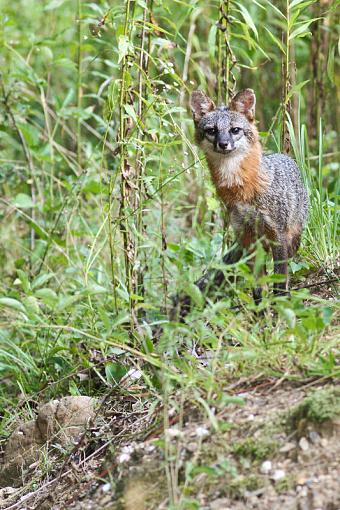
(107, 208)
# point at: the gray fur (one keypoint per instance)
(277, 210)
(283, 206)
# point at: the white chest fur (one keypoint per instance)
(226, 168)
(229, 170)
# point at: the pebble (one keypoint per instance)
(124, 457)
(266, 467)
(287, 447)
(314, 437)
(278, 474)
(303, 443)
(173, 433)
(191, 447)
(301, 479)
(202, 432)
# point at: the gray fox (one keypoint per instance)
(264, 194)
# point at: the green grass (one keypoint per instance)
(107, 209)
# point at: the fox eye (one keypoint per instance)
(210, 131)
(235, 130)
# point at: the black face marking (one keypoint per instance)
(210, 131)
(226, 130)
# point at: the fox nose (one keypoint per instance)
(224, 145)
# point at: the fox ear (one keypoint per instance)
(200, 105)
(244, 102)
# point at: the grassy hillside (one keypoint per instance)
(108, 210)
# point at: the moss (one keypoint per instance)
(255, 449)
(286, 484)
(320, 406)
(244, 483)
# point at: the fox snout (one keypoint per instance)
(224, 144)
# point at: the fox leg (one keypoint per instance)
(280, 256)
(294, 244)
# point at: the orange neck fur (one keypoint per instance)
(248, 182)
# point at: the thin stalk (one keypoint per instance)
(79, 86)
(124, 167)
(219, 61)
(28, 157)
(226, 60)
(285, 142)
(139, 164)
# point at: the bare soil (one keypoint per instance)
(271, 453)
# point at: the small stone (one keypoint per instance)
(202, 432)
(173, 433)
(220, 504)
(278, 474)
(106, 487)
(191, 447)
(314, 437)
(287, 447)
(303, 443)
(301, 479)
(124, 457)
(266, 467)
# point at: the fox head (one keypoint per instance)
(226, 130)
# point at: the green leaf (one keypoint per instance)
(24, 280)
(114, 372)
(94, 187)
(212, 203)
(47, 296)
(290, 316)
(23, 201)
(32, 305)
(66, 63)
(41, 279)
(248, 19)
(212, 41)
(330, 64)
(30, 133)
(297, 88)
(12, 303)
(300, 3)
(194, 292)
(124, 46)
(302, 30)
(130, 111)
(275, 40)
(66, 301)
(54, 4)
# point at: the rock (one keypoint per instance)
(191, 447)
(287, 447)
(60, 421)
(202, 432)
(173, 433)
(266, 467)
(301, 478)
(304, 445)
(314, 437)
(106, 487)
(220, 504)
(22, 449)
(278, 474)
(65, 418)
(5, 494)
